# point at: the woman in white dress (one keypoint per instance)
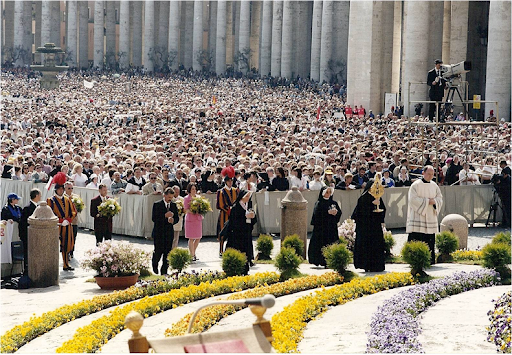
(78, 177)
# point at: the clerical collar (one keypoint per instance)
(425, 181)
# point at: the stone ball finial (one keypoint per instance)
(43, 212)
(134, 321)
(458, 225)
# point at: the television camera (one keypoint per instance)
(452, 75)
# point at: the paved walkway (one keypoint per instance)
(457, 324)
(17, 306)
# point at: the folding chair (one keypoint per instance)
(255, 339)
(17, 254)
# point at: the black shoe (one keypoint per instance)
(69, 268)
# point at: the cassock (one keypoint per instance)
(325, 228)
(64, 210)
(369, 246)
(422, 221)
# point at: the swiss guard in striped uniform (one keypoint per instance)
(63, 208)
(225, 199)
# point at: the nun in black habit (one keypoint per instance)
(326, 216)
(240, 224)
(369, 245)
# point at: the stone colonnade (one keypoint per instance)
(374, 47)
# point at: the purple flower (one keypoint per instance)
(394, 328)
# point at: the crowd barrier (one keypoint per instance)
(472, 202)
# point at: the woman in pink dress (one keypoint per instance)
(193, 222)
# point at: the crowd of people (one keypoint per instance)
(186, 128)
(142, 134)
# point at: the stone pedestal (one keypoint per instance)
(458, 225)
(294, 217)
(43, 247)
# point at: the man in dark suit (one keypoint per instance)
(102, 225)
(165, 215)
(28, 210)
(437, 85)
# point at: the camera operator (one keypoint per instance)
(437, 85)
(502, 184)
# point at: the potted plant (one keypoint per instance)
(117, 263)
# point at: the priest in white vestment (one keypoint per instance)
(425, 202)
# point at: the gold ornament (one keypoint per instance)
(377, 190)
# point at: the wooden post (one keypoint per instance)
(137, 343)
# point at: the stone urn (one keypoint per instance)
(117, 282)
(43, 247)
(294, 217)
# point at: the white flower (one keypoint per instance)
(112, 207)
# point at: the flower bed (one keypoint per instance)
(463, 254)
(13, 339)
(289, 324)
(90, 338)
(211, 315)
(499, 330)
(395, 328)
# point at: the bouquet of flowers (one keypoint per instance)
(179, 205)
(116, 258)
(109, 208)
(347, 231)
(200, 205)
(78, 202)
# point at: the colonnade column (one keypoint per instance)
(174, 33)
(326, 40)
(415, 45)
(212, 34)
(497, 84)
(266, 38)
(149, 33)
(137, 34)
(197, 36)
(22, 26)
(220, 48)
(244, 34)
(83, 34)
(98, 34)
(71, 45)
(37, 39)
(110, 31)
(316, 38)
(447, 30)
(124, 34)
(277, 28)
(163, 31)
(287, 35)
(397, 47)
